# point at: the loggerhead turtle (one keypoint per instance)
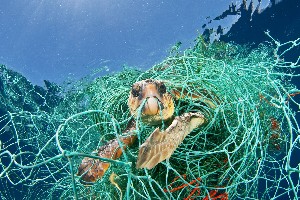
(155, 104)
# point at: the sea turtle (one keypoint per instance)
(151, 100)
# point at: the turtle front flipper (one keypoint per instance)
(161, 144)
(90, 169)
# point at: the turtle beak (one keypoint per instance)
(153, 103)
(151, 106)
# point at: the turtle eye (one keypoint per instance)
(135, 92)
(162, 88)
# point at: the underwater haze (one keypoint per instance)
(105, 99)
(52, 40)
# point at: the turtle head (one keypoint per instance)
(157, 104)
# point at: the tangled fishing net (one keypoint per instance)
(246, 149)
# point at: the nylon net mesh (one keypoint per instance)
(247, 148)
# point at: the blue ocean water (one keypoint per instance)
(68, 49)
(52, 40)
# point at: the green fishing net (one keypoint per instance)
(245, 150)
